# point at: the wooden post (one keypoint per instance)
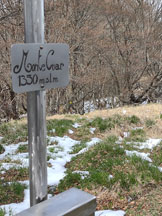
(34, 33)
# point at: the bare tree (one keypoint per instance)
(11, 31)
(132, 52)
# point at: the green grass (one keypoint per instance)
(48, 157)
(55, 149)
(145, 171)
(156, 155)
(1, 149)
(2, 212)
(161, 116)
(102, 124)
(16, 174)
(129, 146)
(99, 161)
(22, 149)
(78, 147)
(13, 133)
(83, 132)
(111, 122)
(149, 123)
(108, 158)
(51, 149)
(61, 127)
(133, 119)
(11, 193)
(138, 135)
(8, 159)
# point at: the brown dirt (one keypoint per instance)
(146, 202)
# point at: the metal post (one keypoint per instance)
(34, 33)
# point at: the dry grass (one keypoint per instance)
(142, 111)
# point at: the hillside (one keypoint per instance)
(114, 154)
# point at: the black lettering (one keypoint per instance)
(57, 67)
(39, 56)
(61, 65)
(47, 80)
(35, 67)
(35, 79)
(21, 79)
(41, 81)
(43, 67)
(29, 80)
(18, 68)
(55, 79)
(51, 52)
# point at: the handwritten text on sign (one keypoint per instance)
(39, 66)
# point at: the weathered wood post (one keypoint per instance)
(34, 33)
(35, 67)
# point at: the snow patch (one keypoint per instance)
(92, 130)
(142, 155)
(150, 143)
(76, 125)
(70, 131)
(83, 174)
(109, 213)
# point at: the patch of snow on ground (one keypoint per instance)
(53, 130)
(142, 155)
(124, 111)
(57, 171)
(89, 144)
(83, 174)
(126, 134)
(76, 125)
(70, 131)
(92, 130)
(109, 213)
(160, 168)
(150, 143)
(7, 166)
(136, 128)
(110, 177)
(9, 150)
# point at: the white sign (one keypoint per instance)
(39, 66)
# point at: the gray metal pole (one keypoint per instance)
(34, 33)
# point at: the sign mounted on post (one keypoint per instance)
(39, 66)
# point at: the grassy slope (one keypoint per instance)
(146, 198)
(135, 189)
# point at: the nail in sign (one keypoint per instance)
(39, 66)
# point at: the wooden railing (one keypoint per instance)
(72, 202)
